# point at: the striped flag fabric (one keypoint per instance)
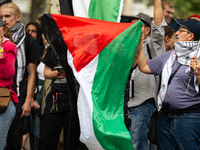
(108, 10)
(100, 54)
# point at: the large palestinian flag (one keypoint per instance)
(101, 54)
(109, 10)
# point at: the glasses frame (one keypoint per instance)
(183, 30)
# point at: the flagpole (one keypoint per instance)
(197, 48)
(191, 70)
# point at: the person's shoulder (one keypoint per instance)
(8, 45)
(166, 54)
(8, 41)
(169, 52)
(31, 48)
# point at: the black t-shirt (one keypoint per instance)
(32, 55)
(51, 60)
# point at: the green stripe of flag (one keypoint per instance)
(108, 90)
(108, 10)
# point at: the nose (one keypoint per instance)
(4, 19)
(171, 15)
(177, 32)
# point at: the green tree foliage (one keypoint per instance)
(183, 8)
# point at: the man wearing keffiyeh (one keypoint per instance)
(178, 99)
(25, 66)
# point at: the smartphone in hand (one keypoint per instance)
(1, 22)
(59, 68)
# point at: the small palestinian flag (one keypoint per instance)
(100, 54)
(108, 10)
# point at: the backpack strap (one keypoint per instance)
(172, 75)
(148, 51)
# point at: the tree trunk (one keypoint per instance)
(55, 6)
(37, 8)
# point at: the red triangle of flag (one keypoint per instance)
(86, 38)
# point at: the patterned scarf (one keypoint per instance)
(18, 35)
(184, 51)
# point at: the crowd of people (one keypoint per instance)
(166, 78)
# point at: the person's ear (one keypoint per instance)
(147, 30)
(191, 37)
(166, 38)
(18, 17)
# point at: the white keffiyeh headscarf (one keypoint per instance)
(184, 51)
(18, 35)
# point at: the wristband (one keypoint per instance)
(1, 50)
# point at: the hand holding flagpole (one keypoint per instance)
(195, 67)
(195, 64)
